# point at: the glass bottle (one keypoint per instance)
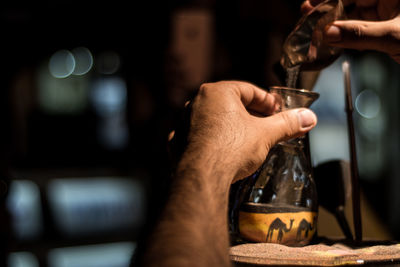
(279, 202)
(304, 46)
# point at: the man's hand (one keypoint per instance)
(373, 25)
(232, 119)
(230, 134)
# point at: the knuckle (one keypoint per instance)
(216, 89)
(358, 30)
(204, 88)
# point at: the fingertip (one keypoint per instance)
(289, 124)
(306, 7)
(307, 119)
(332, 33)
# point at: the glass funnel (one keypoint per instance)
(279, 202)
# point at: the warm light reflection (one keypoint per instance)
(61, 64)
(171, 135)
(83, 60)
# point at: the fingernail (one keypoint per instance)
(332, 34)
(307, 118)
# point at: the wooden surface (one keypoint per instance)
(324, 253)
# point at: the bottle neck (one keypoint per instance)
(295, 142)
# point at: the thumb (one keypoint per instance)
(362, 35)
(289, 124)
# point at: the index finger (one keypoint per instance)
(255, 99)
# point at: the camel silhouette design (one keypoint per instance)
(305, 226)
(277, 224)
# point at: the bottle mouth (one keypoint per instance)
(293, 97)
(299, 91)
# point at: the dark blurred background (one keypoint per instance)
(91, 90)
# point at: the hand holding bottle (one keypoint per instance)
(230, 120)
(372, 25)
(230, 134)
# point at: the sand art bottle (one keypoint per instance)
(280, 201)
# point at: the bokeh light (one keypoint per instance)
(61, 64)
(368, 104)
(108, 62)
(97, 205)
(83, 60)
(372, 129)
(24, 205)
(22, 259)
(109, 95)
(62, 96)
(101, 255)
(372, 72)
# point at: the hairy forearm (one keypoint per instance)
(193, 228)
